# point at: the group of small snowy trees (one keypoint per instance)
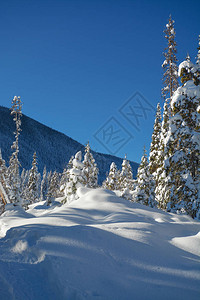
(120, 180)
(79, 174)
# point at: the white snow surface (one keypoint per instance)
(98, 247)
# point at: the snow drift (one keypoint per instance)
(98, 247)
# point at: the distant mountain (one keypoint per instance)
(53, 148)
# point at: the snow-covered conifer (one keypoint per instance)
(183, 144)
(112, 180)
(154, 157)
(126, 176)
(170, 77)
(76, 178)
(53, 189)
(160, 175)
(90, 169)
(33, 181)
(65, 177)
(144, 190)
(13, 170)
(44, 185)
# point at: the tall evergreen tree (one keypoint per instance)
(90, 169)
(170, 77)
(160, 176)
(4, 183)
(182, 163)
(154, 157)
(33, 181)
(44, 185)
(13, 170)
(53, 189)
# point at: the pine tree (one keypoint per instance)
(65, 177)
(112, 180)
(170, 77)
(182, 142)
(90, 169)
(33, 182)
(126, 176)
(24, 186)
(160, 176)
(4, 184)
(76, 178)
(44, 185)
(154, 157)
(53, 190)
(144, 190)
(13, 170)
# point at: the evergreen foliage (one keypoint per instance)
(13, 170)
(112, 180)
(90, 169)
(144, 192)
(76, 178)
(33, 181)
(126, 176)
(170, 77)
(154, 157)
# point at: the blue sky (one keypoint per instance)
(78, 65)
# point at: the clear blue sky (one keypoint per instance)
(76, 63)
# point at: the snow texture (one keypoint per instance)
(98, 247)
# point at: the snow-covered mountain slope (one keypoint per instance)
(53, 148)
(98, 247)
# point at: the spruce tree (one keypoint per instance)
(182, 163)
(76, 178)
(160, 176)
(33, 182)
(44, 185)
(170, 77)
(90, 169)
(144, 191)
(13, 170)
(65, 177)
(154, 157)
(126, 176)
(4, 184)
(53, 189)
(112, 180)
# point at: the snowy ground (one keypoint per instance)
(98, 247)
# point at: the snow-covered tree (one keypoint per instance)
(33, 181)
(76, 178)
(44, 185)
(144, 192)
(53, 189)
(126, 176)
(90, 169)
(24, 186)
(183, 144)
(160, 175)
(154, 157)
(112, 180)
(65, 177)
(13, 170)
(170, 77)
(4, 183)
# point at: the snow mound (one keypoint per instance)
(98, 247)
(188, 243)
